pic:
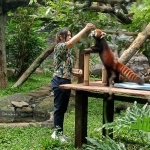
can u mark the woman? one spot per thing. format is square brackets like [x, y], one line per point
[62, 75]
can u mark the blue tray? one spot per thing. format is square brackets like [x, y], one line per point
[132, 85]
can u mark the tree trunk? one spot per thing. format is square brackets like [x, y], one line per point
[33, 66]
[135, 46]
[3, 70]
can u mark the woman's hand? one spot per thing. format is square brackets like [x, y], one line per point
[89, 26]
[78, 36]
[77, 72]
[80, 72]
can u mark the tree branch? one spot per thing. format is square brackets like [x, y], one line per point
[121, 32]
[112, 2]
[123, 18]
[13, 4]
[135, 46]
[33, 66]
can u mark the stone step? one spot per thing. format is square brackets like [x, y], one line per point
[35, 124]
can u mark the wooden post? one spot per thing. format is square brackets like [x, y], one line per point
[81, 66]
[86, 64]
[86, 69]
[81, 113]
[108, 113]
[104, 75]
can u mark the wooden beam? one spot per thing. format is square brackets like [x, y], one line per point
[81, 113]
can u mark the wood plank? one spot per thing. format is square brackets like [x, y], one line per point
[122, 98]
[99, 87]
[81, 112]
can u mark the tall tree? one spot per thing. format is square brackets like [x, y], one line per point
[3, 70]
[5, 6]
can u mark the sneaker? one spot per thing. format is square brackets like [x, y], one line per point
[54, 135]
[66, 137]
[61, 138]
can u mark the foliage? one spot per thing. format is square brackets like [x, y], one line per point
[32, 1]
[105, 143]
[130, 119]
[135, 120]
[72, 18]
[34, 81]
[141, 17]
[94, 59]
[67, 14]
[146, 47]
[24, 41]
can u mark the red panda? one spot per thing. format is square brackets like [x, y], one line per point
[112, 66]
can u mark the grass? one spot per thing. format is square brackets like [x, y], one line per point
[38, 138]
[34, 81]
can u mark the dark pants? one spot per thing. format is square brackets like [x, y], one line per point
[61, 100]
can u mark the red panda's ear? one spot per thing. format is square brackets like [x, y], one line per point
[103, 34]
[92, 34]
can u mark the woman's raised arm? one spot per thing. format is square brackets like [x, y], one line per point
[78, 36]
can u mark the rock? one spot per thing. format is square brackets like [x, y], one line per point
[25, 111]
[7, 111]
[19, 104]
[33, 107]
[37, 95]
[51, 119]
[25, 104]
[97, 70]
[138, 63]
[36, 124]
[18, 97]
[44, 107]
[7, 119]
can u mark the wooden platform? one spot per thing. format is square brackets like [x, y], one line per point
[108, 95]
[99, 87]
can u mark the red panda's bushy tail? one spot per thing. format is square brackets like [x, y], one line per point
[129, 74]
